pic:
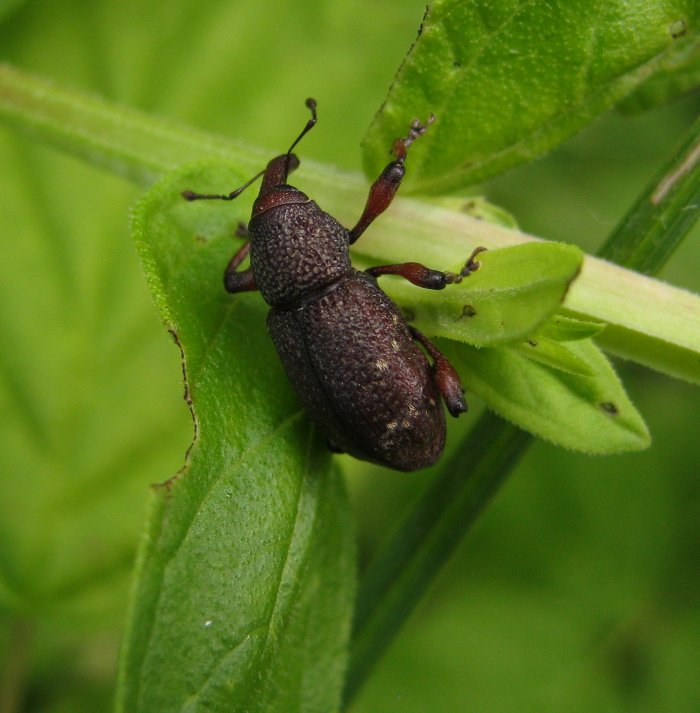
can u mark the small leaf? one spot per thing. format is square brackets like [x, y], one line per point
[245, 579]
[585, 413]
[514, 291]
[509, 80]
[480, 208]
[569, 329]
[554, 354]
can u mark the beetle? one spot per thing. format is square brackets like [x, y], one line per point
[352, 358]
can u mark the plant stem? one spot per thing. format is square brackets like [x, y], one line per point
[643, 326]
[661, 217]
[120, 139]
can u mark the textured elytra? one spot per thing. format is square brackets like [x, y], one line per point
[361, 376]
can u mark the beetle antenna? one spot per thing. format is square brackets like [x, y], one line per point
[311, 104]
[192, 196]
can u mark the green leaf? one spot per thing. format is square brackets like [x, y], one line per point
[245, 580]
[510, 80]
[548, 345]
[587, 413]
[514, 291]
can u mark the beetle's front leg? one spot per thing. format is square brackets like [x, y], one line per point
[423, 276]
[446, 377]
[384, 188]
[242, 281]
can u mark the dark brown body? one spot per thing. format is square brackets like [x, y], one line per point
[358, 372]
[353, 360]
[343, 343]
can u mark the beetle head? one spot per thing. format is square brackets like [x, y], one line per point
[281, 194]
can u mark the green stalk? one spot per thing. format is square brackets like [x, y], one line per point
[120, 139]
[661, 217]
[649, 321]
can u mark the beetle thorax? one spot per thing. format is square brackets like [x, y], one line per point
[296, 249]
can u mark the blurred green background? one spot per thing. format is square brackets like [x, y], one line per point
[579, 589]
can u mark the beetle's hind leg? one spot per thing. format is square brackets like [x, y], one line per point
[446, 377]
[414, 272]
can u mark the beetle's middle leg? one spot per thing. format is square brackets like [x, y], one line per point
[446, 377]
[242, 281]
[423, 276]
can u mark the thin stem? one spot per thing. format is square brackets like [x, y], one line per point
[655, 225]
[123, 140]
[14, 669]
[403, 569]
[400, 573]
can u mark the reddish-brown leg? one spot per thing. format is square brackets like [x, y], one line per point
[384, 188]
[423, 276]
[414, 272]
[242, 281]
[446, 377]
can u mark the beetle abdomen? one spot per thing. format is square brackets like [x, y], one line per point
[357, 370]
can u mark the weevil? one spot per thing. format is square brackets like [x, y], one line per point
[352, 358]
